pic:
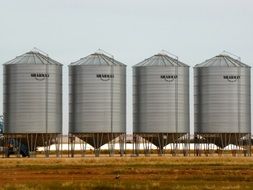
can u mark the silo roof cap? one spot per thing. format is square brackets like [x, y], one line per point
[33, 57]
[98, 58]
[222, 60]
[161, 59]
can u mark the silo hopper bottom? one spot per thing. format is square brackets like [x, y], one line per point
[161, 140]
[222, 140]
[97, 140]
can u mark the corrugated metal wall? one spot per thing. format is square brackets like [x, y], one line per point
[222, 99]
[32, 104]
[97, 102]
[160, 98]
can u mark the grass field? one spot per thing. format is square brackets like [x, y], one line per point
[127, 173]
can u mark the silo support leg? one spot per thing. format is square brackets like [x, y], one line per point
[97, 152]
[174, 143]
[136, 145]
[111, 144]
[145, 146]
[122, 144]
[57, 146]
[71, 146]
[186, 145]
[97, 141]
[197, 145]
[82, 146]
[160, 145]
[247, 146]
[31, 140]
[46, 144]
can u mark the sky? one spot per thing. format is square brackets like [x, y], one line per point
[130, 30]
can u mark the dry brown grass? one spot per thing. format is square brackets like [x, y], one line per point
[127, 173]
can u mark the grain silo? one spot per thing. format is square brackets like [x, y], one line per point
[97, 108]
[32, 101]
[161, 101]
[222, 102]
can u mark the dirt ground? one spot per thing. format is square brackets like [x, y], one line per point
[127, 173]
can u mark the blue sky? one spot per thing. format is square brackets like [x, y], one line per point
[131, 30]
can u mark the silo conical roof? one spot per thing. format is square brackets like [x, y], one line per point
[222, 61]
[161, 59]
[33, 57]
[98, 59]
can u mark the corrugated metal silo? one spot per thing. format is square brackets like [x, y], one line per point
[222, 100]
[33, 99]
[161, 100]
[97, 97]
